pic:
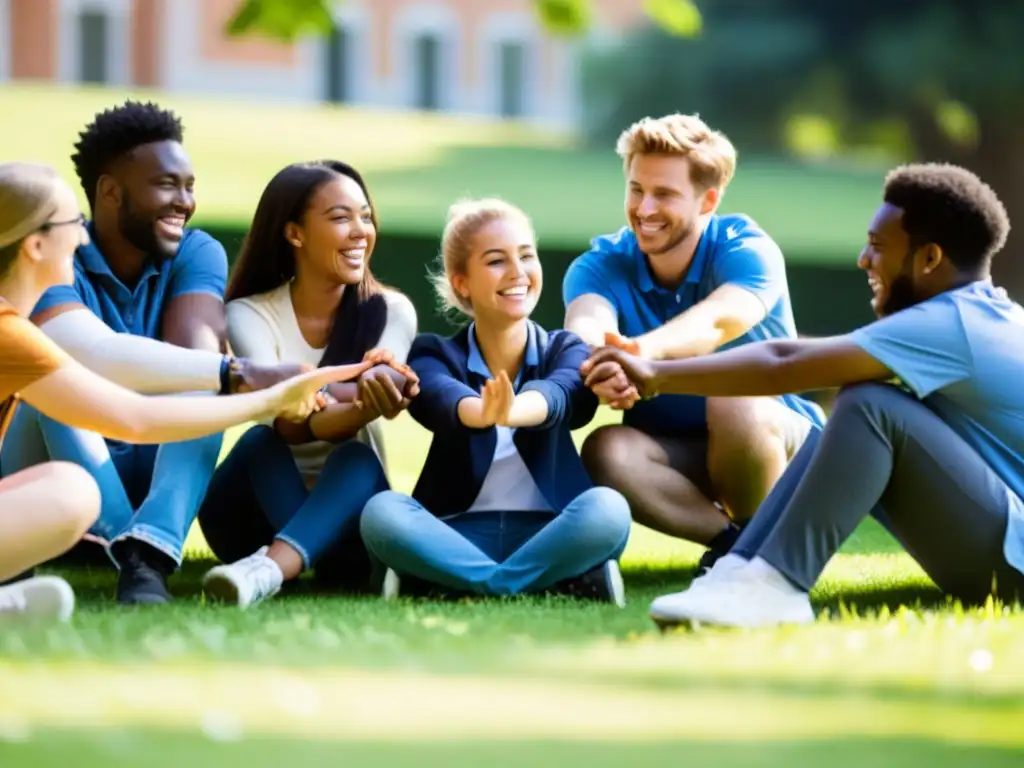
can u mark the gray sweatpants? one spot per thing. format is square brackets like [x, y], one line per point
[886, 454]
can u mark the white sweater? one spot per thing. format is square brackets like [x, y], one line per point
[264, 329]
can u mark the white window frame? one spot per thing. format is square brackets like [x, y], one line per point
[119, 54]
[431, 19]
[496, 30]
[354, 17]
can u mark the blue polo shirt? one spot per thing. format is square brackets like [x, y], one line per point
[200, 266]
[732, 249]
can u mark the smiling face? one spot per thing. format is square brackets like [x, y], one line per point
[889, 263]
[336, 236]
[50, 251]
[502, 279]
[663, 205]
[154, 191]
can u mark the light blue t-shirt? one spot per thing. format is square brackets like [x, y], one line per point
[732, 249]
[962, 354]
[199, 266]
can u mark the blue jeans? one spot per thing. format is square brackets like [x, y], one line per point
[148, 492]
[497, 553]
[257, 495]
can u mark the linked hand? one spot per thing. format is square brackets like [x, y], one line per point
[608, 364]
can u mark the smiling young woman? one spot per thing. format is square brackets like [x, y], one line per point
[302, 292]
[503, 504]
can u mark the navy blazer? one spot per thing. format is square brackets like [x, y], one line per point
[460, 457]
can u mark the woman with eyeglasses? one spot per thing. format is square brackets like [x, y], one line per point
[46, 509]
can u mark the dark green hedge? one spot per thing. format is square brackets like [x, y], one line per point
[826, 300]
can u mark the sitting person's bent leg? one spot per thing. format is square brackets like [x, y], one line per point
[411, 541]
[33, 439]
[298, 526]
[664, 479]
[750, 442]
[882, 451]
[44, 511]
[149, 549]
[591, 532]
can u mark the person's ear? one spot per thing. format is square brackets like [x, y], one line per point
[460, 286]
[931, 257]
[710, 201]
[109, 190]
[293, 234]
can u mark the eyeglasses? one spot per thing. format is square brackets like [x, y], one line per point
[80, 221]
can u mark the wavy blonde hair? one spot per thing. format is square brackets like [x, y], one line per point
[465, 220]
[712, 156]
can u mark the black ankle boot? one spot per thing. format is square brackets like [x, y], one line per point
[144, 573]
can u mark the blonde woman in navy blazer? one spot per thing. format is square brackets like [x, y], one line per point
[503, 504]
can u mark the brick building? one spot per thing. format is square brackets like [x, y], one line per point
[475, 56]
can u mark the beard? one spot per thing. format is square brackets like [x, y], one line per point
[901, 295]
[674, 238]
[141, 232]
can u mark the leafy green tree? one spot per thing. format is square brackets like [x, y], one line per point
[937, 80]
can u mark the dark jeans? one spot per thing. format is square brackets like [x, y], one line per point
[257, 495]
[887, 454]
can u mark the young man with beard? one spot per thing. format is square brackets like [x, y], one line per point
[682, 281]
[145, 310]
[939, 457]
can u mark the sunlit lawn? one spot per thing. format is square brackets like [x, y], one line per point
[416, 165]
[321, 680]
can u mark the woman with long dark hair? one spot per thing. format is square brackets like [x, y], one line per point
[288, 496]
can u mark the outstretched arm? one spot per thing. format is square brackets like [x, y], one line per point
[764, 368]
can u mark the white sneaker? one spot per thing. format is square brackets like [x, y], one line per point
[392, 585]
[743, 598]
[245, 582]
[37, 600]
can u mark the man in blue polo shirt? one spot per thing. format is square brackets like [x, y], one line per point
[681, 281]
[143, 277]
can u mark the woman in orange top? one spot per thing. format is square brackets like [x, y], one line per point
[48, 508]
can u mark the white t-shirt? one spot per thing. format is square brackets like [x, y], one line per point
[509, 486]
[264, 329]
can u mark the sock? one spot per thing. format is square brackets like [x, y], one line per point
[723, 542]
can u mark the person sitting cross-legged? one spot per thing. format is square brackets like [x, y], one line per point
[936, 455]
[288, 496]
[503, 505]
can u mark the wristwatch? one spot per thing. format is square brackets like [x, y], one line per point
[230, 374]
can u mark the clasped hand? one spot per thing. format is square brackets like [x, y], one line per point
[617, 374]
[387, 387]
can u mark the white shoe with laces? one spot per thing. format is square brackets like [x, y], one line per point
[37, 600]
[751, 596]
[244, 582]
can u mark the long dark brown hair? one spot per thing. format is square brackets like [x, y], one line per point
[267, 259]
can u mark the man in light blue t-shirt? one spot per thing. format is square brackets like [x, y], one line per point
[681, 281]
[937, 453]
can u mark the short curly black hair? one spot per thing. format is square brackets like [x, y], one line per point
[951, 207]
[117, 131]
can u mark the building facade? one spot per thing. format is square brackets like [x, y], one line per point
[472, 56]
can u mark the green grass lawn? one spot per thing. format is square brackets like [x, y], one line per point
[889, 675]
[416, 165]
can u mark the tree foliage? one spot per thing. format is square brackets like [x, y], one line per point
[288, 20]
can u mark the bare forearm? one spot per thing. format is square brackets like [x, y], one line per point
[338, 421]
[528, 410]
[471, 412]
[764, 368]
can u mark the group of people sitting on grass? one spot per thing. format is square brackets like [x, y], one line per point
[132, 350]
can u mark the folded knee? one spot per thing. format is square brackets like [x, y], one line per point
[611, 449]
[356, 457]
[604, 513]
[77, 497]
[383, 516]
[871, 394]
